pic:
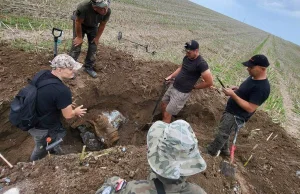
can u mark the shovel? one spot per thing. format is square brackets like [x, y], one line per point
[148, 125]
[51, 146]
[56, 34]
[221, 82]
[228, 168]
[6, 161]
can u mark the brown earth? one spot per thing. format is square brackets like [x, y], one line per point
[132, 86]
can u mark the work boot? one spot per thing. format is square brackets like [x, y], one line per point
[225, 152]
[208, 150]
[91, 72]
[225, 149]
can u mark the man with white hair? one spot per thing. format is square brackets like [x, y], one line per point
[173, 156]
[53, 99]
[91, 18]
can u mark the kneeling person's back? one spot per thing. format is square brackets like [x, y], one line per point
[53, 100]
[50, 100]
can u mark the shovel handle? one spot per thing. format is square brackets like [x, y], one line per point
[233, 148]
[58, 30]
[160, 97]
[7, 162]
[220, 82]
[51, 146]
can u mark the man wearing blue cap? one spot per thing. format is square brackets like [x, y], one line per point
[91, 19]
[242, 104]
[193, 67]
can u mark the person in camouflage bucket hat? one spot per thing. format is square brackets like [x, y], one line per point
[173, 150]
[173, 155]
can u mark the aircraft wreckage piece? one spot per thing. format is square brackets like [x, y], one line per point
[101, 132]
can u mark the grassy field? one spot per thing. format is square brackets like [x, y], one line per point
[165, 26]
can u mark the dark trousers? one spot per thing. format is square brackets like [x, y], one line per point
[90, 58]
[229, 123]
[39, 137]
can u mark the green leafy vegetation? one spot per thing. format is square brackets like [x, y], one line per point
[258, 49]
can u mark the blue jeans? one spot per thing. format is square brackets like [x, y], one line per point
[40, 136]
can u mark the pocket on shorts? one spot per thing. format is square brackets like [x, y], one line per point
[184, 96]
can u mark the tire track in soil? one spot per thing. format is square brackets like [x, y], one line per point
[292, 123]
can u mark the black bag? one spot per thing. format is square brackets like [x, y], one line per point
[159, 186]
[22, 109]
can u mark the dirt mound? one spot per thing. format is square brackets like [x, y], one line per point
[132, 87]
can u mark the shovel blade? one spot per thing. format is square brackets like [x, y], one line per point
[227, 169]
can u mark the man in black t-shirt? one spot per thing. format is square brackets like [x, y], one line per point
[242, 103]
[193, 67]
[91, 19]
[54, 100]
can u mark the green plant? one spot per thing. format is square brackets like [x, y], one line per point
[258, 49]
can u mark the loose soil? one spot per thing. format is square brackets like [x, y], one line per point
[132, 87]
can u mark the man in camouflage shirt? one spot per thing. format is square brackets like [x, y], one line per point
[173, 155]
[91, 19]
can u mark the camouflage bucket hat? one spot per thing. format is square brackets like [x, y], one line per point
[173, 150]
[100, 3]
[65, 61]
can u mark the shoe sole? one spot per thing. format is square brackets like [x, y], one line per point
[91, 75]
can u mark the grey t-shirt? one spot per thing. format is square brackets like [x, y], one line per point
[91, 18]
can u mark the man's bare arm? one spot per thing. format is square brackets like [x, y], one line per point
[101, 29]
[207, 80]
[78, 29]
[247, 106]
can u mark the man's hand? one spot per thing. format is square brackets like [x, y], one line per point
[234, 88]
[96, 40]
[168, 78]
[228, 92]
[79, 111]
[77, 41]
[74, 104]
